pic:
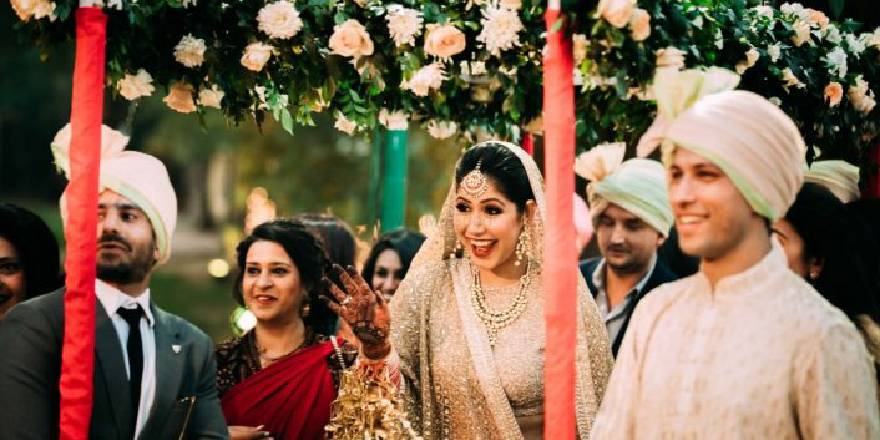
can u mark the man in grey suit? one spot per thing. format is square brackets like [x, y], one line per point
[154, 375]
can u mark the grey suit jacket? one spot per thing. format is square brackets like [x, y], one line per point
[31, 336]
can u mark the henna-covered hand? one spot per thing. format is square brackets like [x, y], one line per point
[363, 309]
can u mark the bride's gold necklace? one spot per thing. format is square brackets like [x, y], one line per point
[495, 322]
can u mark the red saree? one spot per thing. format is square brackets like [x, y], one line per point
[290, 398]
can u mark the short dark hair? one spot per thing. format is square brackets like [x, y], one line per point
[501, 165]
[310, 259]
[830, 233]
[36, 246]
[405, 242]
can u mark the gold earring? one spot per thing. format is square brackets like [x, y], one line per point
[523, 247]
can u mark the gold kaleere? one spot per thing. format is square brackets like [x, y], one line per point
[368, 407]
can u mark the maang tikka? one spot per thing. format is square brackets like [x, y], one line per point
[474, 183]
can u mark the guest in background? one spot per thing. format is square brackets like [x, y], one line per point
[839, 177]
[389, 259]
[821, 243]
[29, 257]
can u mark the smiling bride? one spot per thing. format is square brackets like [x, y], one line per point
[468, 320]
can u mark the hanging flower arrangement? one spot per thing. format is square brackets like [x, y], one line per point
[459, 66]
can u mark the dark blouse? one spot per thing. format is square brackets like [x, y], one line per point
[238, 358]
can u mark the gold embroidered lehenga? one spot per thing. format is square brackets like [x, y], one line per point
[456, 385]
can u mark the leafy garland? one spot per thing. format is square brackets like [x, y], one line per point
[459, 66]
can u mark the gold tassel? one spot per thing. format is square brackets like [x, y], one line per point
[368, 407]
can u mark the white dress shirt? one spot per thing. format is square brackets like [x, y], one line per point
[112, 299]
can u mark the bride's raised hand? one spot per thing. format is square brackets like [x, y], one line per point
[364, 310]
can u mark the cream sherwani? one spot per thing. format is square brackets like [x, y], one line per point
[762, 356]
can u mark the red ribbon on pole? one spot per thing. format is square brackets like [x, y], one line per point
[81, 195]
[560, 259]
[528, 143]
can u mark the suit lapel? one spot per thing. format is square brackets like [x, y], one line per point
[111, 364]
[170, 354]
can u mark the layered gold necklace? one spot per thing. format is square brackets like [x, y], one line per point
[497, 321]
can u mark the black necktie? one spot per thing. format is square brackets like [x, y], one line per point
[135, 354]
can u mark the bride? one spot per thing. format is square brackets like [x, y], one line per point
[468, 320]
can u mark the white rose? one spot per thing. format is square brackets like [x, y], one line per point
[404, 25]
[775, 101]
[190, 51]
[801, 33]
[344, 125]
[581, 45]
[211, 97]
[764, 11]
[616, 12]
[640, 24]
[873, 39]
[795, 10]
[671, 57]
[132, 87]
[774, 51]
[836, 61]
[427, 78]
[832, 34]
[256, 55]
[442, 129]
[350, 39]
[279, 20]
[180, 98]
[856, 44]
[861, 96]
[393, 120]
[501, 28]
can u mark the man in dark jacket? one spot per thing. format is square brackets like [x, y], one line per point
[631, 217]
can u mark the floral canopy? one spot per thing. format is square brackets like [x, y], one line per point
[458, 66]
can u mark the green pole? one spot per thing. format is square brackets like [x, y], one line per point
[394, 180]
[375, 177]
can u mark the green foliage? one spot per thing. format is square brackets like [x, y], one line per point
[618, 70]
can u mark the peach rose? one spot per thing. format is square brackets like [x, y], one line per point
[833, 93]
[818, 18]
[132, 87]
[350, 39]
[180, 98]
[616, 12]
[801, 33]
[444, 41]
[640, 24]
[256, 55]
[211, 97]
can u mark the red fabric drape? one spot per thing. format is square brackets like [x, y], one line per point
[528, 143]
[86, 111]
[291, 398]
[560, 264]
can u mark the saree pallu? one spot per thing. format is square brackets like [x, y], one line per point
[290, 398]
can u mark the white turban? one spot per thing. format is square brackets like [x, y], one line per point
[140, 177]
[756, 145]
[636, 185]
[840, 177]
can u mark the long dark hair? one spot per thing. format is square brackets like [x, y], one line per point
[501, 165]
[36, 247]
[310, 259]
[335, 236]
[405, 242]
[831, 235]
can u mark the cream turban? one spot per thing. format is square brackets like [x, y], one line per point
[636, 185]
[140, 177]
[750, 139]
[840, 177]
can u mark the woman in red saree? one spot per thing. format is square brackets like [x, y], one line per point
[280, 379]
